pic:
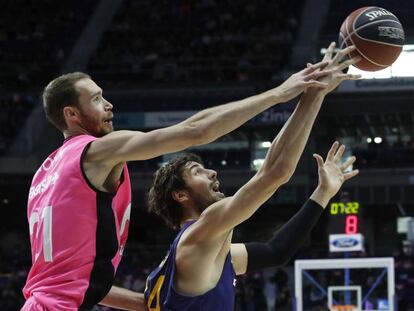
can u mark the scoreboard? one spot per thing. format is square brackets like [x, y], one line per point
[344, 218]
[345, 226]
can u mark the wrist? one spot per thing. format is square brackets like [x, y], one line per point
[321, 196]
[276, 96]
[317, 93]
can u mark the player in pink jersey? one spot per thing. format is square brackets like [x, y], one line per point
[79, 201]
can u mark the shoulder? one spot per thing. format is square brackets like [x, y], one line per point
[78, 141]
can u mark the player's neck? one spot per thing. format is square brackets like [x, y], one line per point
[186, 220]
[74, 132]
[189, 216]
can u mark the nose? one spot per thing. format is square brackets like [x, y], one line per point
[212, 174]
[108, 105]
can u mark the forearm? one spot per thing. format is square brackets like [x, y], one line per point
[289, 144]
[286, 241]
[219, 120]
[124, 299]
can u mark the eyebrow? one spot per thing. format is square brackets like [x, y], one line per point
[96, 93]
[193, 166]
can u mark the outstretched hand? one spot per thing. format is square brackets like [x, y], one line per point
[325, 75]
[306, 78]
[332, 172]
[335, 67]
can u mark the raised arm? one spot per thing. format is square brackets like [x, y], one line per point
[278, 167]
[286, 241]
[203, 127]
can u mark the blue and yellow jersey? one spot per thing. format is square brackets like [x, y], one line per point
[161, 296]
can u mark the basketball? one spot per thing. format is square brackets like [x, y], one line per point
[377, 35]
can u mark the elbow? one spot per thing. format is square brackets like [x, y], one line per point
[285, 168]
[286, 171]
[280, 172]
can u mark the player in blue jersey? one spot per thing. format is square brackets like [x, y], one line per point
[200, 268]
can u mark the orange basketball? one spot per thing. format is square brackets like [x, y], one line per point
[377, 34]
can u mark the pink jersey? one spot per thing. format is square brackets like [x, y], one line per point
[77, 233]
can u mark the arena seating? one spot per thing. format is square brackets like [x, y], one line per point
[14, 110]
[33, 50]
[32, 53]
[185, 41]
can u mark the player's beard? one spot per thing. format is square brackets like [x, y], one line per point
[93, 126]
[202, 202]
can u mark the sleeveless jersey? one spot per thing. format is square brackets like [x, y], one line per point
[77, 232]
[160, 294]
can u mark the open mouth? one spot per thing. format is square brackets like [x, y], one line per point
[108, 121]
[216, 187]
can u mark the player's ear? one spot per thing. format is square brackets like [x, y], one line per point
[70, 113]
[179, 195]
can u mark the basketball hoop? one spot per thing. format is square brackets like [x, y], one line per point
[344, 308]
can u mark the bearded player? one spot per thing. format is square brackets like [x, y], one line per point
[199, 269]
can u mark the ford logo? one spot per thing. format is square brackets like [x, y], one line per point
[345, 242]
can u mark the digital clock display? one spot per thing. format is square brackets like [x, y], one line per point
[344, 218]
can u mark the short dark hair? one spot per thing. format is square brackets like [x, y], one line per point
[60, 93]
[167, 179]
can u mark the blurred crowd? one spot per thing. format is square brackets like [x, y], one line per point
[15, 261]
[384, 155]
[191, 41]
[14, 110]
[35, 39]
